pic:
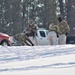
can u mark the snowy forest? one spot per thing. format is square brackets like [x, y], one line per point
[15, 14]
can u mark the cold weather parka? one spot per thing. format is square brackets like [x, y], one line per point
[63, 27]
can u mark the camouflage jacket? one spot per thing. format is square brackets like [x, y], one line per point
[32, 28]
[21, 37]
[54, 28]
[63, 27]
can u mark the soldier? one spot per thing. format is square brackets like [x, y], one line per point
[32, 29]
[64, 29]
[52, 35]
[23, 39]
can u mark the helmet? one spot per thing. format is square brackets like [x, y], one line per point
[31, 21]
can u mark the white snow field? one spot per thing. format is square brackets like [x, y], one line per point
[37, 60]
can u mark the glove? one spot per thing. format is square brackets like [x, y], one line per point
[66, 33]
[57, 36]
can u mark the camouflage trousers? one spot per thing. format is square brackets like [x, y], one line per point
[62, 39]
[52, 37]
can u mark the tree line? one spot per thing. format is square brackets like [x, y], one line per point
[15, 14]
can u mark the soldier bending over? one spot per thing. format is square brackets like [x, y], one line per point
[23, 39]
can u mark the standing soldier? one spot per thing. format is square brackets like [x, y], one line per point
[32, 29]
[64, 29]
[52, 35]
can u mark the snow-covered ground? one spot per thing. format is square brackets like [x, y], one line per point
[37, 60]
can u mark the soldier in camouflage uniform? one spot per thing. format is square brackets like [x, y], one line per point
[32, 28]
[52, 35]
[23, 39]
[63, 30]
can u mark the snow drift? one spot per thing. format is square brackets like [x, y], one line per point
[37, 60]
